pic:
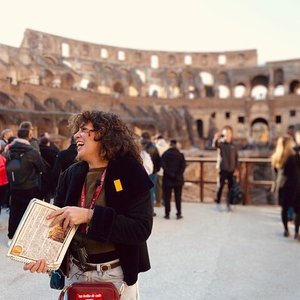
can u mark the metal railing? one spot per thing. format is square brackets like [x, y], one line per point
[246, 178]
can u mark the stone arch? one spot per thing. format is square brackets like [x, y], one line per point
[53, 104]
[126, 76]
[7, 101]
[67, 81]
[188, 88]
[259, 87]
[108, 73]
[118, 87]
[106, 83]
[50, 60]
[239, 91]
[294, 87]
[155, 91]
[260, 131]
[92, 86]
[32, 103]
[208, 83]
[260, 80]
[279, 89]
[223, 91]
[173, 79]
[133, 91]
[71, 106]
[135, 87]
[173, 84]
[223, 85]
[278, 77]
[46, 77]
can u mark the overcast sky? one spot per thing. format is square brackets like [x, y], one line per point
[270, 26]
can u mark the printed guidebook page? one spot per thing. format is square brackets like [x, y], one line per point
[35, 240]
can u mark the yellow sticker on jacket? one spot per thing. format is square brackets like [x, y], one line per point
[118, 185]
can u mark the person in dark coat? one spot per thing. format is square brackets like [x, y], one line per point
[24, 178]
[173, 164]
[48, 154]
[227, 162]
[107, 193]
[64, 159]
[287, 182]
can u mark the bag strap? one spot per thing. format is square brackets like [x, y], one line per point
[62, 293]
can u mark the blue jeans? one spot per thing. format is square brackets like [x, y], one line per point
[153, 178]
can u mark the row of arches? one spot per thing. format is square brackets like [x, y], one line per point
[187, 83]
[31, 103]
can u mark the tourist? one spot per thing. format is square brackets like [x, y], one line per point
[24, 165]
[63, 160]
[48, 154]
[5, 135]
[116, 220]
[173, 164]
[227, 162]
[287, 183]
[162, 146]
[33, 141]
[152, 150]
[147, 161]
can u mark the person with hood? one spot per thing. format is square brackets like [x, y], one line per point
[24, 168]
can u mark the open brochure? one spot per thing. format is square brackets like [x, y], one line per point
[35, 240]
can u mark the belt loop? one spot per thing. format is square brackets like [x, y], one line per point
[99, 269]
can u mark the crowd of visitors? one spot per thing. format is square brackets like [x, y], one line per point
[102, 154]
[34, 167]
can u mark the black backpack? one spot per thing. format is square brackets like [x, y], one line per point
[236, 194]
[13, 168]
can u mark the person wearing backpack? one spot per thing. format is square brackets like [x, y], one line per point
[24, 168]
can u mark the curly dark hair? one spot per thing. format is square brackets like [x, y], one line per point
[116, 138]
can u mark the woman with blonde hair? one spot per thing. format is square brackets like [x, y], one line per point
[287, 182]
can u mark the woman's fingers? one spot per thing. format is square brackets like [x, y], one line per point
[39, 266]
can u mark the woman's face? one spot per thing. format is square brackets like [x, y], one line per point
[88, 149]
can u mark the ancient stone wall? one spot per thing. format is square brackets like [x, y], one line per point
[183, 95]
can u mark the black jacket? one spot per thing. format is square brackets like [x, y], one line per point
[288, 184]
[31, 166]
[227, 156]
[152, 150]
[63, 160]
[127, 218]
[173, 164]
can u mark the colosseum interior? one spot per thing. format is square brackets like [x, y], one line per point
[182, 95]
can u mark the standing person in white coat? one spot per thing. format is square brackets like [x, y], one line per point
[162, 146]
[147, 161]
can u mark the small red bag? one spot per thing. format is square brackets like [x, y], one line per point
[90, 291]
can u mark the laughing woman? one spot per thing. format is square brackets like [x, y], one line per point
[107, 193]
